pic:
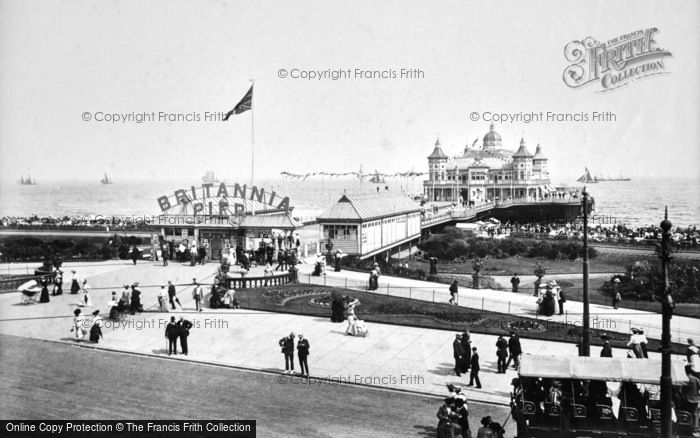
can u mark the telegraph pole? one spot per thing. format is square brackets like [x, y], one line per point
[586, 334]
[666, 314]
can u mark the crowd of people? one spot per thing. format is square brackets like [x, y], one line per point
[685, 237]
[453, 418]
[86, 222]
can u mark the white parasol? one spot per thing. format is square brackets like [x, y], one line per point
[30, 286]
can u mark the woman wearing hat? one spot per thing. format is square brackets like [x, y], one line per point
[75, 285]
[96, 328]
[86, 301]
[78, 325]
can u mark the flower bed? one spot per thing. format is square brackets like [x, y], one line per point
[327, 300]
[281, 296]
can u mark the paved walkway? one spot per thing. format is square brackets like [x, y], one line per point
[602, 317]
[406, 358]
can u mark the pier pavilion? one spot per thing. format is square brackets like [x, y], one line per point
[488, 173]
[368, 224]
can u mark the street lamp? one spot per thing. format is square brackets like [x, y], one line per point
[586, 334]
[666, 314]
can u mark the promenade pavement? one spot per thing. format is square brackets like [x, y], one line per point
[404, 358]
[602, 317]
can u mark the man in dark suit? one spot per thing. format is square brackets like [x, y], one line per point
[474, 373]
[467, 347]
[501, 354]
[172, 293]
[287, 344]
[514, 349]
[458, 352]
[303, 353]
[183, 329]
[171, 334]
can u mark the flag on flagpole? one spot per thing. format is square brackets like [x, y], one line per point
[244, 105]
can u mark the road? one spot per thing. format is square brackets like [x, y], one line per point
[49, 380]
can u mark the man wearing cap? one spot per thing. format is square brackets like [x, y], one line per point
[287, 344]
[183, 329]
[458, 352]
[303, 353]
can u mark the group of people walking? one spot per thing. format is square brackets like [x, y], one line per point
[467, 357]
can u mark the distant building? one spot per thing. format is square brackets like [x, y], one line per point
[487, 173]
[367, 224]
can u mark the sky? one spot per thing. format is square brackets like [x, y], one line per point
[63, 61]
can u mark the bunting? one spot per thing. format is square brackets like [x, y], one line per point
[359, 175]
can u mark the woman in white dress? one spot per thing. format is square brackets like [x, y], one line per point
[85, 301]
[78, 328]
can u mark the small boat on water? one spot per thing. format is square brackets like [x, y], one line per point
[28, 181]
[209, 177]
[586, 178]
[106, 179]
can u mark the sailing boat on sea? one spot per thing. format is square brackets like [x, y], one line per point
[28, 181]
[106, 179]
[587, 178]
[377, 178]
[209, 177]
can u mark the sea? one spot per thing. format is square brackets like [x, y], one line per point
[639, 202]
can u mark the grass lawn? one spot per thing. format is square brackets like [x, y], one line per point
[299, 299]
[572, 285]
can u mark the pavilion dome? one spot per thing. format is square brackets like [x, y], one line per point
[492, 138]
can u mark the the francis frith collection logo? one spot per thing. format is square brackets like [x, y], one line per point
[614, 63]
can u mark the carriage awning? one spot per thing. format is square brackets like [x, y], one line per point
[600, 368]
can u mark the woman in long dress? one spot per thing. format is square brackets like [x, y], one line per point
[75, 285]
[96, 328]
[86, 301]
[78, 325]
[44, 298]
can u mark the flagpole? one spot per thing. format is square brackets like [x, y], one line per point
[252, 140]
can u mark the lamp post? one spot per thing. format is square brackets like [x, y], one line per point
[586, 334]
[666, 314]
